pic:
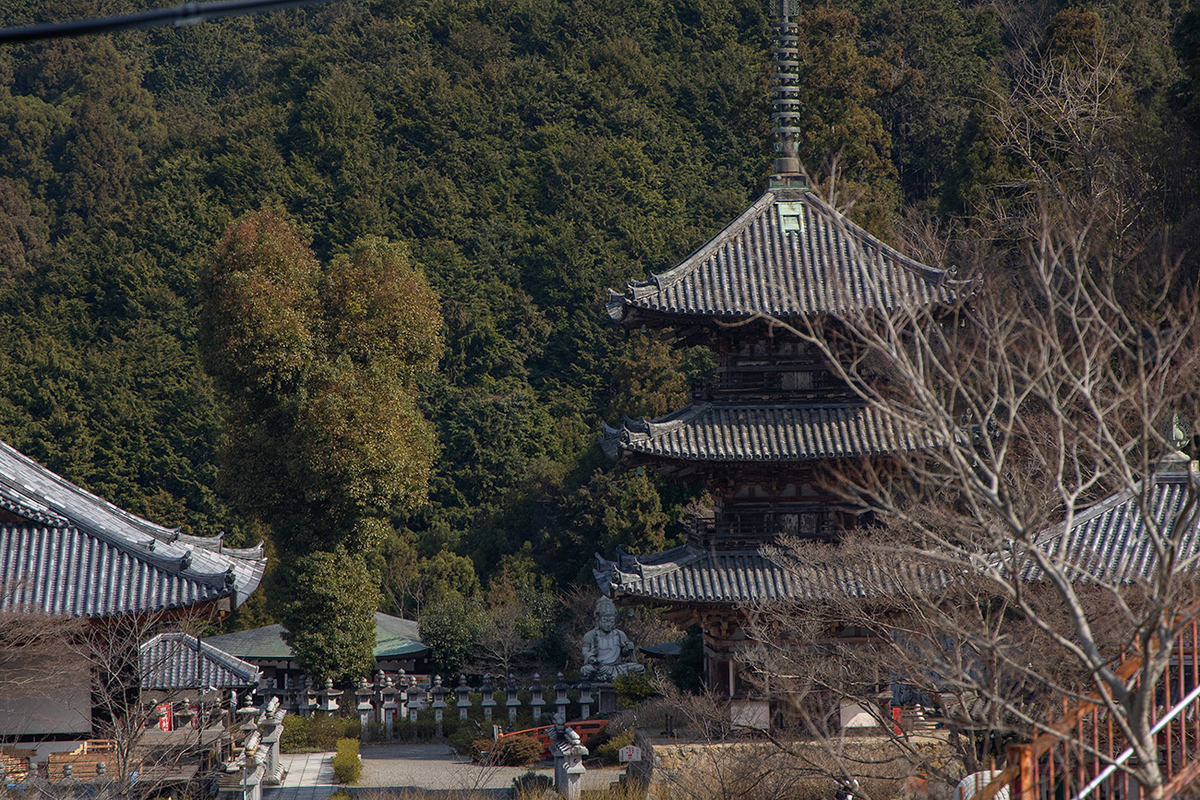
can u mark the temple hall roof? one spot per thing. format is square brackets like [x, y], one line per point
[1113, 541]
[64, 550]
[776, 432]
[394, 637]
[789, 255]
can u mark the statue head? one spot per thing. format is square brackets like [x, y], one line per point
[606, 615]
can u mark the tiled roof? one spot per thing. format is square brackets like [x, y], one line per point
[180, 661]
[1109, 542]
[394, 636]
[82, 556]
[693, 575]
[789, 255]
[783, 432]
[1113, 540]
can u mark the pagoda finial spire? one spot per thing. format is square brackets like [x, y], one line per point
[785, 86]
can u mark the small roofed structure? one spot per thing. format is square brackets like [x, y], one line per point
[397, 647]
[178, 662]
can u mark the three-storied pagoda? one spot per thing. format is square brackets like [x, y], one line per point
[764, 434]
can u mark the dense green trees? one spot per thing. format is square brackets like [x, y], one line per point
[324, 439]
[531, 155]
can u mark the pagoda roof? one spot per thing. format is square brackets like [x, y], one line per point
[1110, 543]
[789, 255]
[181, 661]
[63, 550]
[774, 432]
[690, 574]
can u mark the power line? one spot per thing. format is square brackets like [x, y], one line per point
[179, 16]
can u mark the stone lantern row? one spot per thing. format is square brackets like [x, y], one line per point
[389, 698]
[254, 760]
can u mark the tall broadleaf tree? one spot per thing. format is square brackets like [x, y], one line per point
[318, 366]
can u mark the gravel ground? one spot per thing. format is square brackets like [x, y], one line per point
[428, 767]
[434, 766]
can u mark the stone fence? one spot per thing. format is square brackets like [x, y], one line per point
[390, 698]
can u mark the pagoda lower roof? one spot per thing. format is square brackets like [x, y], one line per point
[789, 255]
[775, 432]
[1111, 544]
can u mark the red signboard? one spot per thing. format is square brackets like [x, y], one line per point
[164, 716]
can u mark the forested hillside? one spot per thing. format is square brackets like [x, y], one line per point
[532, 154]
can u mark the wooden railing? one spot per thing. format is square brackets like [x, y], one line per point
[1083, 755]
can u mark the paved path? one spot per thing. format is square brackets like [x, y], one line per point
[309, 777]
[432, 767]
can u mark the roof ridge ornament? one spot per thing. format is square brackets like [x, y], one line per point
[785, 88]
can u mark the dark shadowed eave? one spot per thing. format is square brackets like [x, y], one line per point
[789, 255]
[690, 574]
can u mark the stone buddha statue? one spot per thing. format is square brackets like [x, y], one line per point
[607, 652]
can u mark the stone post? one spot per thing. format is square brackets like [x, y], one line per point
[463, 693]
[377, 697]
[362, 693]
[608, 697]
[388, 706]
[585, 700]
[489, 702]
[329, 697]
[561, 701]
[403, 682]
[272, 721]
[512, 701]
[308, 698]
[438, 704]
[568, 766]
[416, 701]
[536, 701]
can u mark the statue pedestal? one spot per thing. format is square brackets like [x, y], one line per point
[607, 694]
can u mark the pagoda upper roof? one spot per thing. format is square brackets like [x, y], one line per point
[63, 550]
[775, 432]
[789, 255]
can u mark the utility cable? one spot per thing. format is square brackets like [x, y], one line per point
[179, 16]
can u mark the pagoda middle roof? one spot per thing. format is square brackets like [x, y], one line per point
[775, 432]
[789, 255]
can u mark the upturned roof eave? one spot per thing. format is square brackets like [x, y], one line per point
[640, 302]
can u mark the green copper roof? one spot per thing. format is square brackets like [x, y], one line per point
[393, 637]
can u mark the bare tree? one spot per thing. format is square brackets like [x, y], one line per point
[1031, 400]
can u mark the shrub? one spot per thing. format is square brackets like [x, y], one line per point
[608, 749]
[531, 785]
[511, 751]
[633, 689]
[294, 738]
[347, 768]
[319, 733]
[462, 739]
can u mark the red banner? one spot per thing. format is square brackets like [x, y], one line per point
[164, 716]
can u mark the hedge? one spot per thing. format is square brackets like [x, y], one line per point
[347, 768]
